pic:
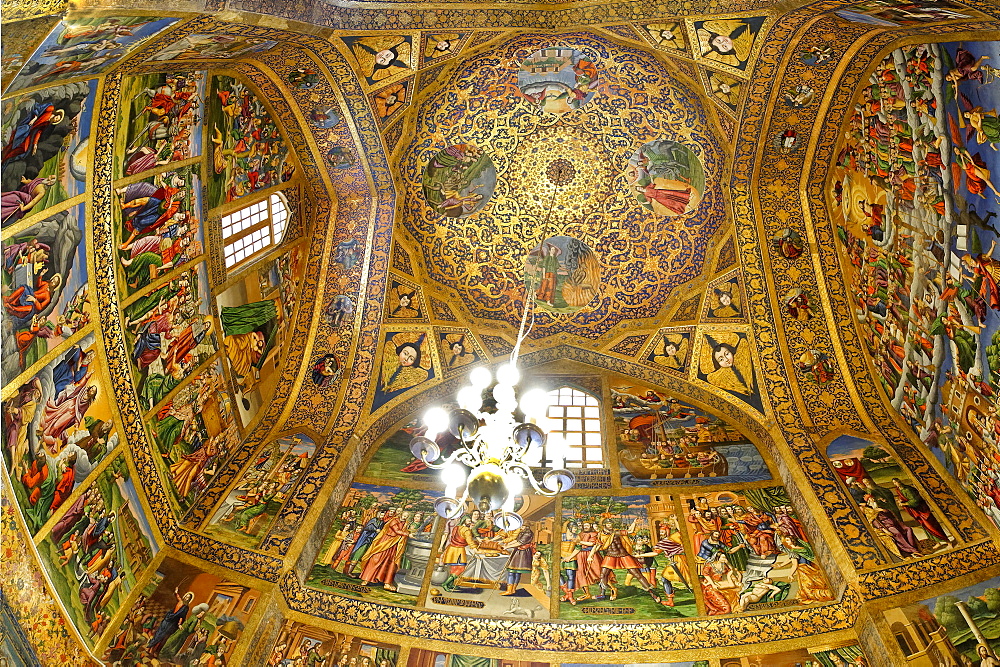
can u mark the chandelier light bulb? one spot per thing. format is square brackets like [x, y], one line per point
[470, 398]
[480, 378]
[504, 395]
[535, 403]
[508, 375]
[453, 476]
[436, 420]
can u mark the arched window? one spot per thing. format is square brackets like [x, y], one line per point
[253, 229]
[576, 416]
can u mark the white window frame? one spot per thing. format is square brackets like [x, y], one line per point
[252, 230]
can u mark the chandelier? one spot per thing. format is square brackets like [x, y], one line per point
[491, 465]
[493, 462]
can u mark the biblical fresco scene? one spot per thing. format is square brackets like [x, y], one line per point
[696, 663]
[255, 314]
[558, 80]
[197, 46]
[97, 549]
[822, 656]
[183, 616]
[46, 298]
[301, 644]
[894, 506]
[481, 569]
[407, 361]
[169, 333]
[665, 442]
[248, 152]
[45, 148]
[459, 180]
[915, 209]
[162, 121]
[563, 274]
[379, 546]
[906, 12]
[751, 551]
[159, 226]
[57, 427]
[85, 46]
[961, 627]
[393, 460]
[666, 177]
[195, 432]
[622, 558]
[426, 658]
[251, 506]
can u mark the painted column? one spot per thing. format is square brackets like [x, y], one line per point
[972, 624]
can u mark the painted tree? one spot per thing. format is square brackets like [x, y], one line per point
[948, 614]
[992, 597]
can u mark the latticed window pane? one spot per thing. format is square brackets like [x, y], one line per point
[575, 416]
[253, 229]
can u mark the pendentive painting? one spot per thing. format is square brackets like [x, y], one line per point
[46, 148]
[161, 120]
[622, 559]
[481, 569]
[558, 79]
[250, 507]
[665, 442]
[393, 460]
[666, 177]
[46, 298]
[919, 238]
[202, 46]
[183, 616]
[563, 274]
[751, 551]
[726, 362]
[379, 545]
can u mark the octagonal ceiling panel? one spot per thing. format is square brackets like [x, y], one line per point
[594, 146]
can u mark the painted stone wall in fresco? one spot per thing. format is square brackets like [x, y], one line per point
[183, 616]
[379, 545]
[46, 298]
[894, 506]
[170, 333]
[664, 442]
[249, 509]
[194, 433]
[84, 46]
[916, 214]
[97, 549]
[255, 315]
[45, 148]
[480, 569]
[160, 120]
[298, 643]
[961, 627]
[247, 151]
[751, 551]
[57, 427]
[622, 558]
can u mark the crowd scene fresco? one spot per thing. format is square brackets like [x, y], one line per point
[663, 441]
[306, 645]
[751, 551]
[915, 209]
[248, 152]
[250, 507]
